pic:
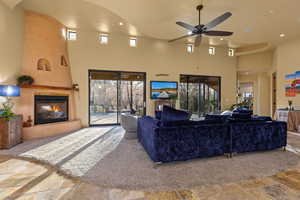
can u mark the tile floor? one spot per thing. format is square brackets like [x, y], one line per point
[22, 179]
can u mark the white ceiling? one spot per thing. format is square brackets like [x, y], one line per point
[253, 21]
[82, 15]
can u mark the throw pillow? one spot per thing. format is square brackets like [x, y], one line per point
[171, 114]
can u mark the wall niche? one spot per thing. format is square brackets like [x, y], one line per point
[63, 61]
[43, 65]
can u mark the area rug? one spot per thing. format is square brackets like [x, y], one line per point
[129, 167]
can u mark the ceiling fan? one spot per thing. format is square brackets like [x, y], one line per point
[201, 29]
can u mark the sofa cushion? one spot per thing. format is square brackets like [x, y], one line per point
[189, 123]
[243, 110]
[221, 118]
[242, 116]
[261, 118]
[227, 112]
[175, 123]
[171, 114]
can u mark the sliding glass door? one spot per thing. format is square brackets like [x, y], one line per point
[200, 94]
[132, 93]
[113, 93]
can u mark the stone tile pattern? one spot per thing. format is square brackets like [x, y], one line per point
[21, 179]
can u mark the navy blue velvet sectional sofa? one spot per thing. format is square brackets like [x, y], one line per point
[173, 137]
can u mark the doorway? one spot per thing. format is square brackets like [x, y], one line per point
[112, 93]
[246, 95]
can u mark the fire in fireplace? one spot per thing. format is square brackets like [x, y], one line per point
[51, 109]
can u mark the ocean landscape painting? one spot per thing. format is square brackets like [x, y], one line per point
[163, 90]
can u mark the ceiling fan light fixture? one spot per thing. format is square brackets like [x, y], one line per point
[201, 29]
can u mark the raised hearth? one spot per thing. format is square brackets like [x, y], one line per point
[50, 109]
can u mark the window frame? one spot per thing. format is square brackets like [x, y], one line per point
[131, 40]
[69, 33]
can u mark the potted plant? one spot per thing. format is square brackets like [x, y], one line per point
[6, 112]
[25, 80]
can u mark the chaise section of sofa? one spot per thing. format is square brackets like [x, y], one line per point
[258, 136]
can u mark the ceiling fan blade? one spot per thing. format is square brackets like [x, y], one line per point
[218, 33]
[185, 36]
[198, 40]
[217, 21]
[186, 26]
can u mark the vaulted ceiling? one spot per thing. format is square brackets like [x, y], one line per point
[253, 21]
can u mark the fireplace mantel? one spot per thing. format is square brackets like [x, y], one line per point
[46, 87]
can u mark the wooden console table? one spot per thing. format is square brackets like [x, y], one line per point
[10, 132]
[291, 117]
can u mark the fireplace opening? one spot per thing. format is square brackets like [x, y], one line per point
[51, 109]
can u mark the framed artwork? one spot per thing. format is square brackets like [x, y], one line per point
[292, 86]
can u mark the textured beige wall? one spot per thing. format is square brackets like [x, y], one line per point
[151, 56]
[44, 39]
[287, 61]
[258, 62]
[11, 43]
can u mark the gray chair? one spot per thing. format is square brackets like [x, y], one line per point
[129, 123]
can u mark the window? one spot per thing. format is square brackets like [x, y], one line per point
[190, 48]
[132, 42]
[103, 39]
[200, 94]
[113, 93]
[72, 35]
[212, 50]
[231, 52]
[247, 94]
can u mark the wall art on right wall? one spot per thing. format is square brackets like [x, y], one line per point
[292, 87]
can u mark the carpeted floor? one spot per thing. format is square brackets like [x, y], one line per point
[128, 167]
[103, 157]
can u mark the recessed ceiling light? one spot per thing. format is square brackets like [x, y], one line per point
[282, 35]
[121, 23]
[222, 39]
[190, 32]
